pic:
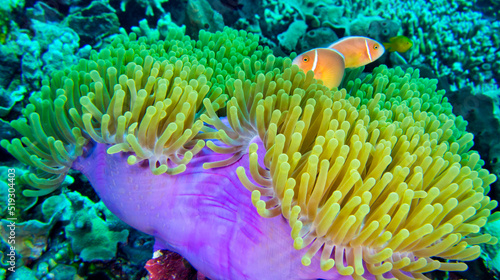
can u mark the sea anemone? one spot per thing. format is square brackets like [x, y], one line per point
[382, 177]
[180, 137]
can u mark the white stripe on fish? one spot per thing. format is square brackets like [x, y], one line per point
[315, 60]
[368, 51]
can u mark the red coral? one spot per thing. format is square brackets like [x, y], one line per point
[169, 266]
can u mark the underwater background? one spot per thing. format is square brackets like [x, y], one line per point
[63, 230]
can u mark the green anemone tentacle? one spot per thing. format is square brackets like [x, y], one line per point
[141, 97]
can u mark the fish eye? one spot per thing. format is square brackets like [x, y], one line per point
[305, 59]
[375, 47]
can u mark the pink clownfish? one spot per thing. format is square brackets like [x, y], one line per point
[358, 51]
[327, 64]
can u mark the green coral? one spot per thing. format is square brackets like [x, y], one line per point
[147, 4]
[22, 204]
[5, 25]
[92, 236]
[201, 15]
[288, 39]
[7, 8]
[164, 26]
[31, 237]
[490, 251]
[92, 229]
[9, 98]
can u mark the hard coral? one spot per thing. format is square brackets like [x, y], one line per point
[459, 44]
[31, 236]
[92, 229]
[94, 22]
[148, 4]
[5, 26]
[202, 16]
[289, 39]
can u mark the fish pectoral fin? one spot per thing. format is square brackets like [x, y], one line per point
[332, 77]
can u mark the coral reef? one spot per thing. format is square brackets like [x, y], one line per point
[5, 26]
[27, 60]
[87, 90]
[94, 22]
[59, 46]
[482, 111]
[321, 159]
[319, 37]
[9, 99]
[201, 15]
[23, 203]
[490, 252]
[92, 235]
[31, 236]
[8, 67]
[460, 44]
[149, 5]
[289, 39]
[165, 26]
[93, 231]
